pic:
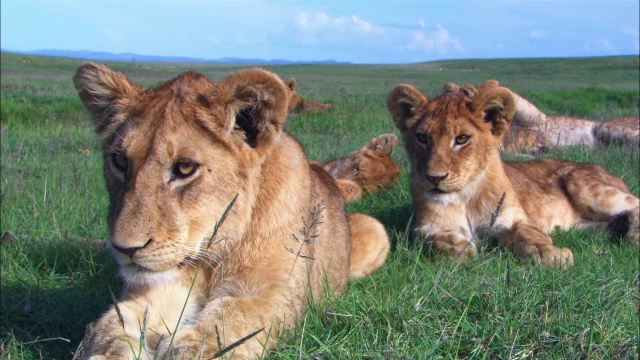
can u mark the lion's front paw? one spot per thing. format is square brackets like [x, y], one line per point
[549, 255]
[460, 252]
[189, 343]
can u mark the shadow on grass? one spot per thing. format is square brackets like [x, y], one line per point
[51, 294]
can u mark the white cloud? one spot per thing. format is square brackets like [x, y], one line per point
[320, 27]
[439, 40]
[598, 45]
[319, 21]
[350, 33]
[538, 34]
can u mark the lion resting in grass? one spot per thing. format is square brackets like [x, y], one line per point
[221, 229]
[298, 104]
[368, 169]
[533, 131]
[462, 189]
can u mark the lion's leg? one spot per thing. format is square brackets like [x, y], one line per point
[234, 327]
[150, 315]
[604, 199]
[369, 245]
[455, 245]
[527, 241]
[109, 338]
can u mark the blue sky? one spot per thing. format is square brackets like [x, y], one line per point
[368, 31]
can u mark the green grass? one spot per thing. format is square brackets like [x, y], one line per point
[55, 280]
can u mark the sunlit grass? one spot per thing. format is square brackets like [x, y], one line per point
[56, 278]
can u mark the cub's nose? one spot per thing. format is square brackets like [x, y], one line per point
[436, 179]
[129, 251]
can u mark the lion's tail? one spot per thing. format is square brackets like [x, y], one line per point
[369, 245]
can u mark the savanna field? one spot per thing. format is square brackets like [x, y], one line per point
[57, 276]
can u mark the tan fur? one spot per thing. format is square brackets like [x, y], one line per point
[175, 157]
[532, 130]
[458, 180]
[298, 104]
[370, 167]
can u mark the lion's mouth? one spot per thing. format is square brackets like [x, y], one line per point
[141, 268]
[437, 191]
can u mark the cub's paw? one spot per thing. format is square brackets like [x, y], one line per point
[550, 255]
[462, 251]
[189, 343]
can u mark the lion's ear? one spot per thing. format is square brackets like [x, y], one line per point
[402, 102]
[488, 84]
[383, 145]
[291, 83]
[450, 88]
[103, 92]
[469, 89]
[255, 102]
[498, 107]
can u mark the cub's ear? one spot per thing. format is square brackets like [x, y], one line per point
[450, 88]
[403, 102]
[488, 84]
[291, 83]
[255, 103]
[469, 89]
[498, 107]
[104, 93]
[383, 145]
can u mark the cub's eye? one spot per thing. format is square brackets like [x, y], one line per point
[356, 169]
[462, 139]
[120, 162]
[183, 169]
[423, 139]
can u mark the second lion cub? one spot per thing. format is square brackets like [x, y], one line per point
[458, 180]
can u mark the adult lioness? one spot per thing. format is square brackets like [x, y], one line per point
[221, 228]
[458, 180]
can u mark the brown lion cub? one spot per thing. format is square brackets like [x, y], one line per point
[369, 168]
[299, 104]
[458, 180]
[221, 228]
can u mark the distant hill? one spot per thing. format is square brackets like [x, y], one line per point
[107, 56]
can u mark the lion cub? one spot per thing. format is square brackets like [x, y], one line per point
[221, 228]
[459, 182]
[369, 168]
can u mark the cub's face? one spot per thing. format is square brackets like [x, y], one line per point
[295, 100]
[175, 157]
[450, 139]
[371, 167]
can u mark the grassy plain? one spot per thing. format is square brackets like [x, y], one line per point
[55, 279]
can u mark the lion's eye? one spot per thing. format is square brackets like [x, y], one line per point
[183, 169]
[423, 139]
[462, 139]
[120, 162]
[356, 169]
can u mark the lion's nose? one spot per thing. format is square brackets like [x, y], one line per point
[129, 251]
[436, 179]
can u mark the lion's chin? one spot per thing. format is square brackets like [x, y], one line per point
[133, 274]
[442, 196]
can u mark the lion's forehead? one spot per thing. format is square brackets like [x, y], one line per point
[448, 116]
[176, 110]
